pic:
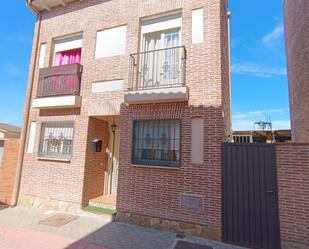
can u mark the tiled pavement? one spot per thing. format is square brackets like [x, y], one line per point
[20, 229]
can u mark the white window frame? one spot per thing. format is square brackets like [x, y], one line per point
[67, 43]
[67, 124]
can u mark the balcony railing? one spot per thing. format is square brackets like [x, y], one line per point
[59, 81]
[161, 68]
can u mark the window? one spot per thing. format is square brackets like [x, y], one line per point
[67, 50]
[161, 54]
[56, 140]
[1, 152]
[156, 142]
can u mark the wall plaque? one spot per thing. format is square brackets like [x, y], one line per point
[191, 203]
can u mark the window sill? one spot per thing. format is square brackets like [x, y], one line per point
[156, 167]
[53, 159]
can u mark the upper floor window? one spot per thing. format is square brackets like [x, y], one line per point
[156, 142]
[56, 140]
[67, 50]
[161, 57]
[161, 32]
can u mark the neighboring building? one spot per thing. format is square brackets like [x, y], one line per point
[128, 104]
[296, 14]
[9, 145]
[261, 136]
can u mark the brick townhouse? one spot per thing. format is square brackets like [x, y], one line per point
[128, 102]
[9, 141]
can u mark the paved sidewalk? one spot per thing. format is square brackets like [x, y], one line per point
[20, 229]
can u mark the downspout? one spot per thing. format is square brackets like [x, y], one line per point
[28, 99]
[229, 14]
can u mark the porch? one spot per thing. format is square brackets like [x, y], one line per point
[102, 162]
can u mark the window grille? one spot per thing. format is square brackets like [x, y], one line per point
[56, 140]
[243, 139]
[156, 142]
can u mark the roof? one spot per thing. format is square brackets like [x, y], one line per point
[7, 128]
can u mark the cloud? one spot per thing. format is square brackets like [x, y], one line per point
[22, 38]
[249, 125]
[275, 35]
[259, 113]
[257, 70]
[245, 120]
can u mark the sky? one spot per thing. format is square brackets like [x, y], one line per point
[258, 64]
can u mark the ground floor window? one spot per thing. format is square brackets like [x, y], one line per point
[1, 152]
[56, 140]
[156, 142]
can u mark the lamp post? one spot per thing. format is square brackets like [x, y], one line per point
[113, 128]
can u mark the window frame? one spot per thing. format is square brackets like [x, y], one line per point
[156, 163]
[42, 130]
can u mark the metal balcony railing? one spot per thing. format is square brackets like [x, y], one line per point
[158, 69]
[59, 81]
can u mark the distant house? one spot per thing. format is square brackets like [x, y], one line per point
[260, 136]
[9, 143]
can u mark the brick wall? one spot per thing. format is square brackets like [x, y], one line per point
[297, 46]
[8, 169]
[156, 192]
[293, 184]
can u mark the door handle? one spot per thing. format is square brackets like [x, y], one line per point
[270, 192]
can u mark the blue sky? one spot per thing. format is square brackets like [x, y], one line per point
[259, 81]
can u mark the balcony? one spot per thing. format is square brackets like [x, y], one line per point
[157, 76]
[47, 5]
[59, 87]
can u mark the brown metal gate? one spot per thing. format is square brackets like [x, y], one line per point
[250, 215]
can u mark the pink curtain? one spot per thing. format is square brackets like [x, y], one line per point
[68, 57]
[67, 83]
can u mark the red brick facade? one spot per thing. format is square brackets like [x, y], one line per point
[8, 169]
[297, 46]
[293, 185]
[156, 192]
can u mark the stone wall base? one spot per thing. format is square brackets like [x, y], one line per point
[288, 245]
[47, 204]
[211, 233]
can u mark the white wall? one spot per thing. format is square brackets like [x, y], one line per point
[42, 55]
[197, 26]
[31, 140]
[107, 86]
[111, 42]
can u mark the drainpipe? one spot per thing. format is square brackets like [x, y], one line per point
[229, 14]
[26, 110]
